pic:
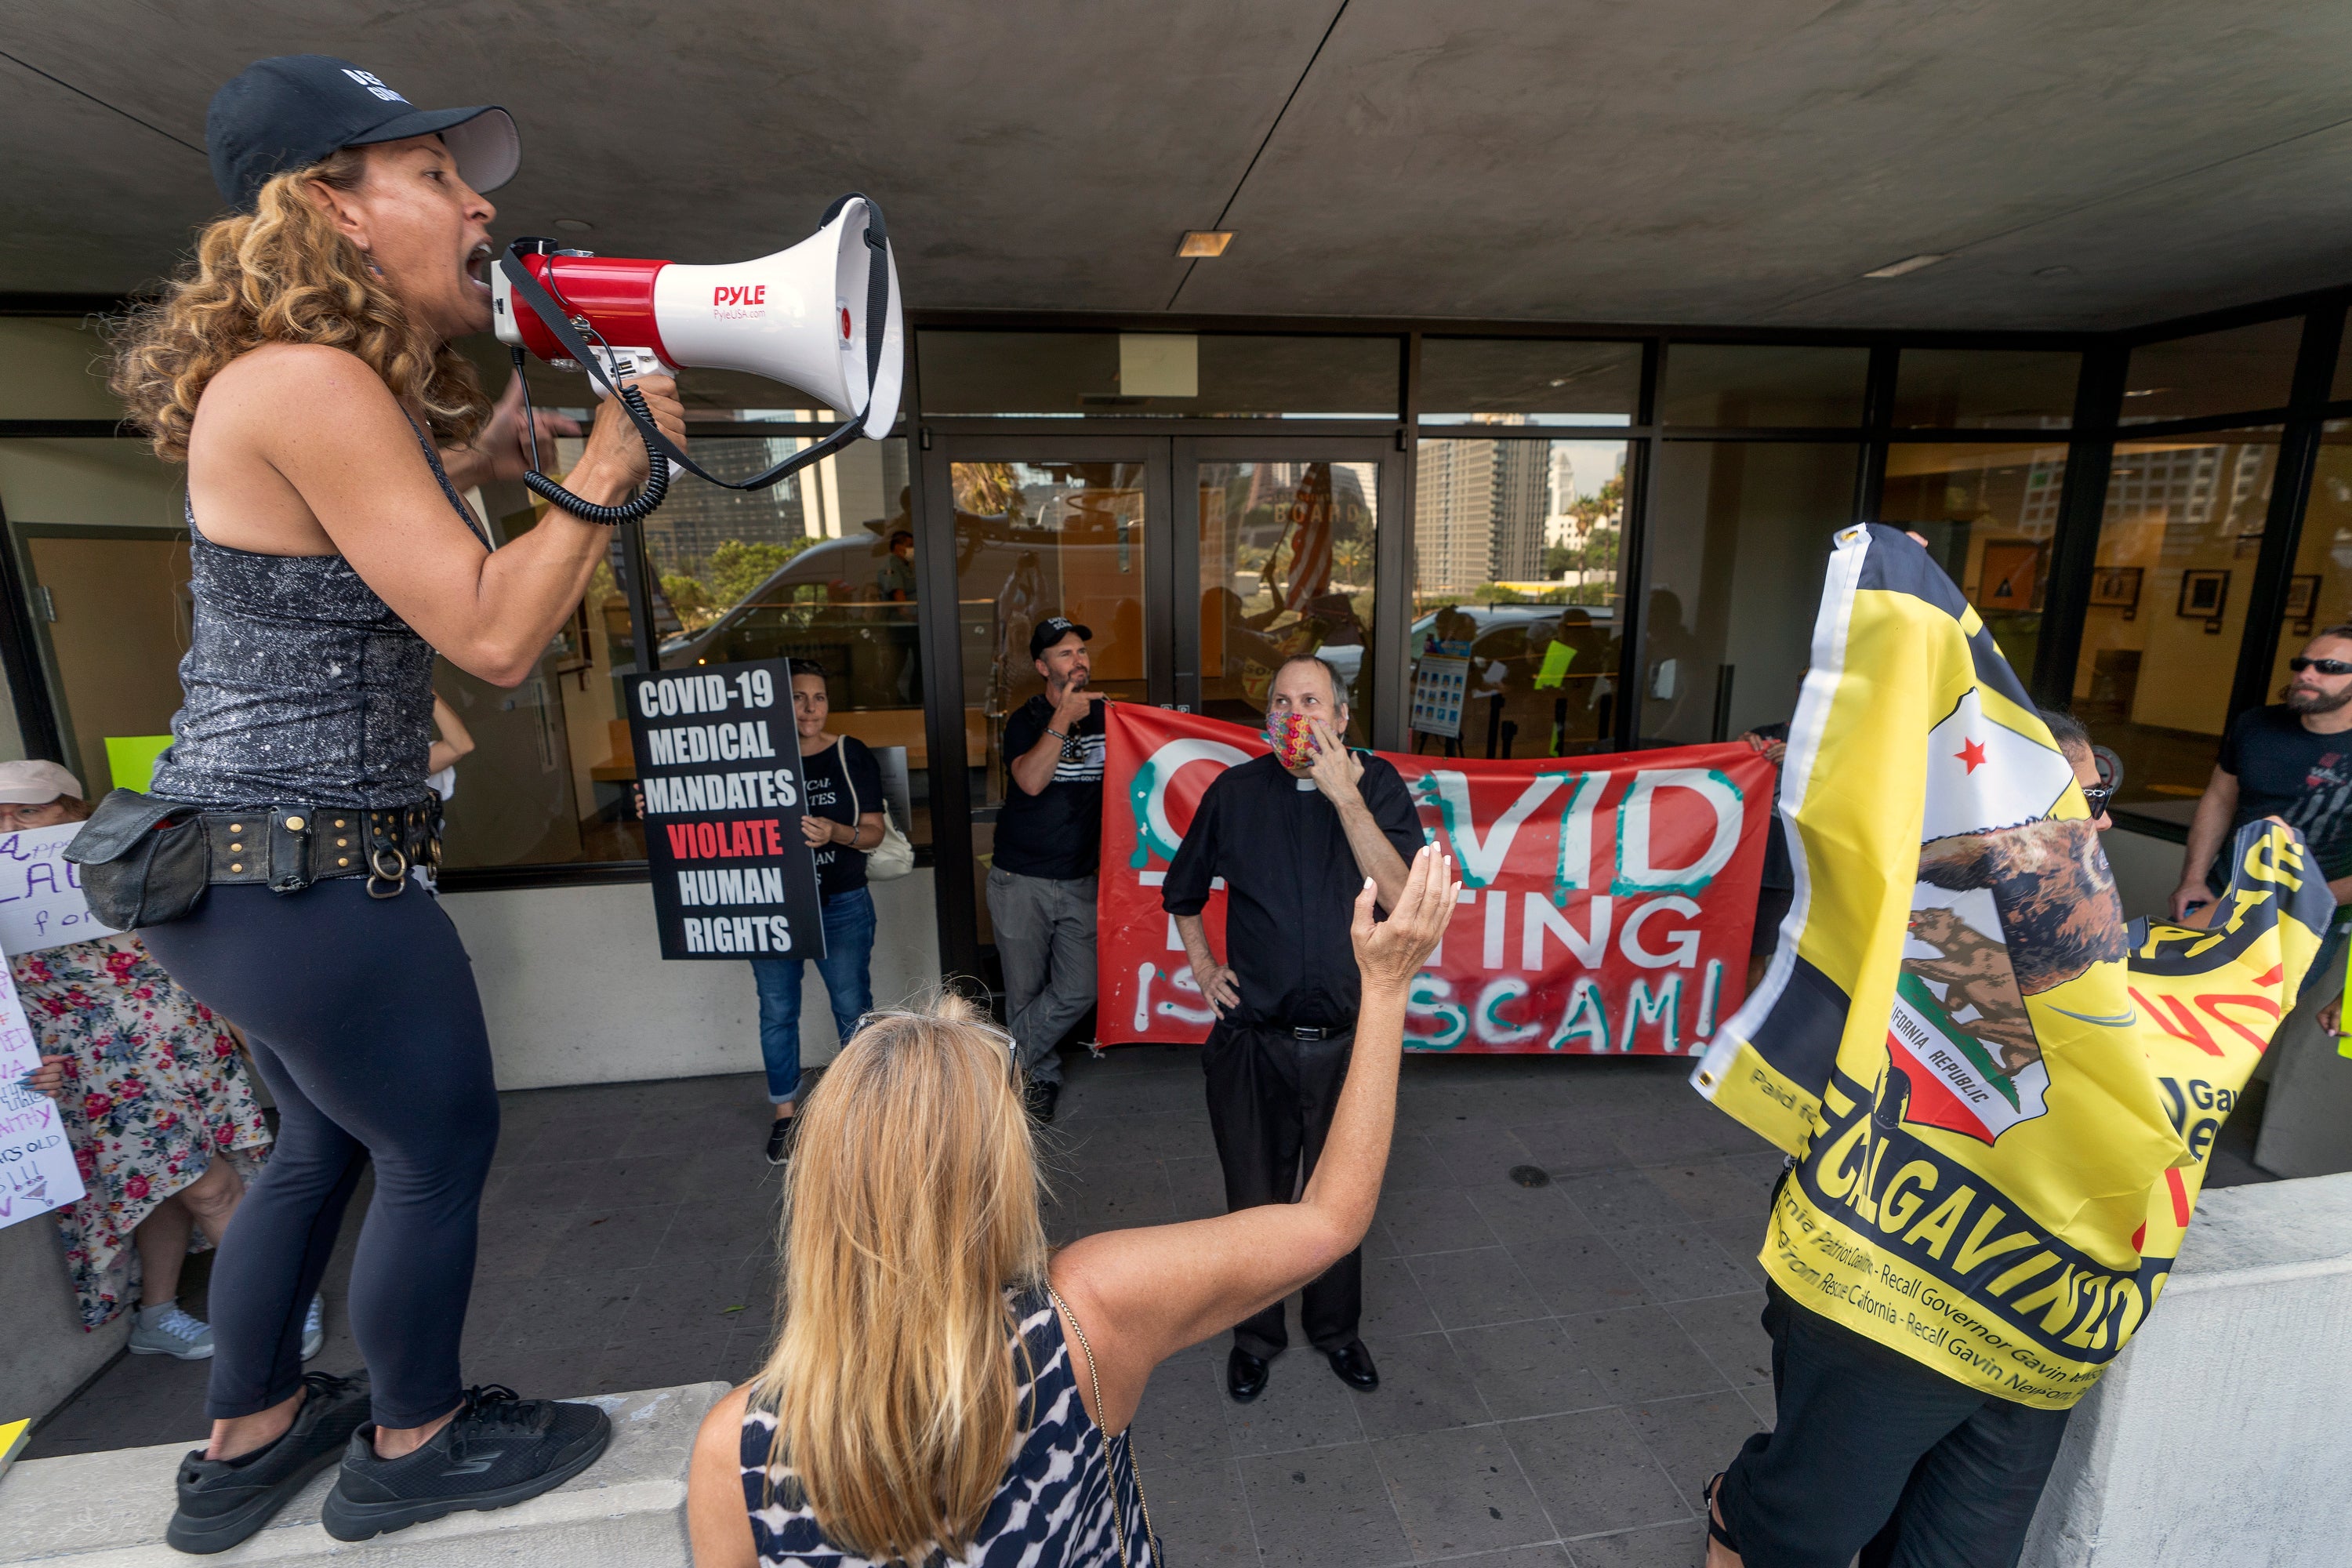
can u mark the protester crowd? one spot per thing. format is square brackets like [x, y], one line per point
[941, 1384]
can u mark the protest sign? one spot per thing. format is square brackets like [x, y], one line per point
[41, 902]
[1606, 906]
[38, 1172]
[719, 767]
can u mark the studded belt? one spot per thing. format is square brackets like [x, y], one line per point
[287, 847]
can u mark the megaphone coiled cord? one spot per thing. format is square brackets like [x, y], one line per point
[547, 489]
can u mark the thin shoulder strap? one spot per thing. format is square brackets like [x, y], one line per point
[441, 476]
[1111, 1472]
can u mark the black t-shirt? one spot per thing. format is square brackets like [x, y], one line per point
[2283, 770]
[1291, 884]
[1057, 832]
[839, 867]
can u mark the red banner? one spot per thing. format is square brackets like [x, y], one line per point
[1606, 902]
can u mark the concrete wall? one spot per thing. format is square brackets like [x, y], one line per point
[2218, 1436]
[49, 1355]
[577, 992]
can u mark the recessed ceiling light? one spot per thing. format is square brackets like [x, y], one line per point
[1204, 242]
[1908, 264]
[573, 225]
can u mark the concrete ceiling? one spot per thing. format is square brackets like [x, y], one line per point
[2095, 163]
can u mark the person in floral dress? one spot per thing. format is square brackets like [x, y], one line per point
[155, 1100]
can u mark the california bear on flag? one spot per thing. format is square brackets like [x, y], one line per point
[1992, 1084]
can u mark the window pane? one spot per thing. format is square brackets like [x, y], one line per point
[2212, 373]
[1507, 533]
[819, 566]
[1126, 374]
[1762, 384]
[1987, 512]
[1743, 537]
[1286, 568]
[1528, 381]
[1969, 389]
[2176, 545]
[2319, 593]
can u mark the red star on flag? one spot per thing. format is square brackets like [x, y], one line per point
[1973, 753]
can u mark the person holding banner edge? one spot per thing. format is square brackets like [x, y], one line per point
[1872, 1452]
[1294, 844]
[303, 368]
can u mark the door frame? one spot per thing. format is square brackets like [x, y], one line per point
[1172, 635]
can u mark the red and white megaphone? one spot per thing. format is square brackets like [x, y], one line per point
[823, 317]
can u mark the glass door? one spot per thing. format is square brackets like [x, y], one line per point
[1077, 527]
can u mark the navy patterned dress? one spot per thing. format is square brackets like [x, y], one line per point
[1052, 1507]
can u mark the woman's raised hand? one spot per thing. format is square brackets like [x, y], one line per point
[1389, 951]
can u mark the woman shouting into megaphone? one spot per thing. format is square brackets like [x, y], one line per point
[302, 367]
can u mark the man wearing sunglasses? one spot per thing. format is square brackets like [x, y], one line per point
[2292, 759]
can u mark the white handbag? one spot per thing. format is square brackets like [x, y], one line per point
[894, 856]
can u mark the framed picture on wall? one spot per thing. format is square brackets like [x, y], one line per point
[2006, 577]
[2203, 594]
[2117, 588]
[2303, 600]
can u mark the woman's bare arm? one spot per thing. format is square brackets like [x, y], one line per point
[321, 459]
[718, 1524]
[1142, 1295]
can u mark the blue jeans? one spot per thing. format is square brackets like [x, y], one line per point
[848, 946]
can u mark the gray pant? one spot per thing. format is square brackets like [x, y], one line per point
[1046, 937]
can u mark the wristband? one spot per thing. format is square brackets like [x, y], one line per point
[1059, 736]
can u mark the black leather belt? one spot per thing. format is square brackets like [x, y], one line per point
[287, 847]
[1300, 1032]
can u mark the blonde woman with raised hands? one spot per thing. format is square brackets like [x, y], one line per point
[917, 1405]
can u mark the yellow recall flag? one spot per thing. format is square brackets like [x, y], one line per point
[1998, 1098]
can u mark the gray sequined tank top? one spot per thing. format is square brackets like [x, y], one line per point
[300, 685]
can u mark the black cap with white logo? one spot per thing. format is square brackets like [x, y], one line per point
[291, 112]
[1052, 629]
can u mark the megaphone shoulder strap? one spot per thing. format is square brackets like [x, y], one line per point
[558, 321]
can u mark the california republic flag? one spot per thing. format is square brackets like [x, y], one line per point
[1983, 776]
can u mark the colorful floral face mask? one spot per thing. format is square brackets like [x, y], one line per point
[1292, 739]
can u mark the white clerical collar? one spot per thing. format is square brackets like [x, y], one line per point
[1304, 784]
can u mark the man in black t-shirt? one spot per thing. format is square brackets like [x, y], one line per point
[1041, 878]
[2292, 759]
[1293, 846]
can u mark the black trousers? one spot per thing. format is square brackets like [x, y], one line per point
[1875, 1454]
[1271, 1097]
[364, 1019]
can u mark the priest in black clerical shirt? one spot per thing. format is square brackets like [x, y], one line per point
[1293, 846]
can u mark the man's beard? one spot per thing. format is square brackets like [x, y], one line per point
[2310, 702]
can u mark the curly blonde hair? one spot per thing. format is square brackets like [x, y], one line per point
[283, 274]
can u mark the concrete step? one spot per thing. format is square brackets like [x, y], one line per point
[109, 1509]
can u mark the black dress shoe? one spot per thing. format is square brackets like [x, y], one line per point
[1354, 1365]
[1042, 1098]
[1245, 1376]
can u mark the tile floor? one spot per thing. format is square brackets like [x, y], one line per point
[1562, 1366]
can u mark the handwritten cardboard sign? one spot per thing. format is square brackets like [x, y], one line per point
[719, 765]
[41, 902]
[36, 1160]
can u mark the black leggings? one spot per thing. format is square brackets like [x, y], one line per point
[363, 1018]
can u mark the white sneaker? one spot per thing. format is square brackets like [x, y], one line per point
[172, 1332]
[314, 1328]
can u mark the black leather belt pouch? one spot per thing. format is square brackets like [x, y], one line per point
[144, 860]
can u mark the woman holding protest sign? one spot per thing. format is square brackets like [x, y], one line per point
[153, 1098]
[842, 820]
[301, 367]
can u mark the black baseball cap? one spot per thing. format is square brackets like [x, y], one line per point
[1052, 629]
[291, 111]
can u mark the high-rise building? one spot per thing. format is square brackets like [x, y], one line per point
[1479, 509]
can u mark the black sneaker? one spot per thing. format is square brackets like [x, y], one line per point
[498, 1451]
[780, 1140]
[1042, 1098]
[223, 1501]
